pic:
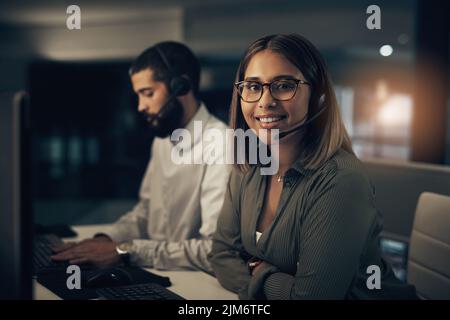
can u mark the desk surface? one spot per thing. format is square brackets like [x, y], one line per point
[192, 285]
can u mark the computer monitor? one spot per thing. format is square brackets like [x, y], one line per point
[15, 198]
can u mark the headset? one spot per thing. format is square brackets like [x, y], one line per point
[306, 121]
[178, 86]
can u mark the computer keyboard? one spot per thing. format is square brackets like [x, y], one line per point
[146, 291]
[42, 251]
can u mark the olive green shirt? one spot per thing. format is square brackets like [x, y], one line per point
[320, 243]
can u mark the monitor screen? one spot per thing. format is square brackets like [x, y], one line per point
[15, 201]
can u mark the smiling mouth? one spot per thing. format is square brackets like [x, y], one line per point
[271, 119]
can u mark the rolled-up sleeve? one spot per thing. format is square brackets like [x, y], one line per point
[187, 253]
[163, 255]
[190, 253]
[131, 225]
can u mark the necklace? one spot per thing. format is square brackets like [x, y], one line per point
[280, 177]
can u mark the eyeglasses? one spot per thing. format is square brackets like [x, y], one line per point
[280, 90]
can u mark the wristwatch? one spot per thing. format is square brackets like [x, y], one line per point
[123, 249]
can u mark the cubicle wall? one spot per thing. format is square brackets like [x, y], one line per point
[398, 186]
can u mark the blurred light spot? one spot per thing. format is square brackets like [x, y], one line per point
[386, 50]
[396, 111]
[75, 152]
[56, 149]
[403, 38]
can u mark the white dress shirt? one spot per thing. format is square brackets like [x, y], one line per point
[172, 224]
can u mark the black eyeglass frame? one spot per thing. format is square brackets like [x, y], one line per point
[269, 84]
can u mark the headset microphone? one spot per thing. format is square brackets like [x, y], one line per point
[303, 122]
[165, 108]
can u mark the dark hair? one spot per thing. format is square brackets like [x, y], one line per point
[181, 59]
[325, 134]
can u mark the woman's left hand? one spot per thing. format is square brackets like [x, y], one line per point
[261, 265]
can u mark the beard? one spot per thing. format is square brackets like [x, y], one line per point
[166, 121]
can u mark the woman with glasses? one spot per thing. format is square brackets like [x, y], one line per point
[310, 231]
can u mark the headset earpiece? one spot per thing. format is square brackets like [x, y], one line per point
[180, 86]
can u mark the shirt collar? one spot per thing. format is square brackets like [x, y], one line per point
[297, 167]
[301, 169]
[201, 117]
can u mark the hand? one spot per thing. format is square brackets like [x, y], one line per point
[260, 265]
[67, 245]
[100, 251]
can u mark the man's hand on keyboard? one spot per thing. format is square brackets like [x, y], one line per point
[99, 251]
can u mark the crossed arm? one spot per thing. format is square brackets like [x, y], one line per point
[336, 226]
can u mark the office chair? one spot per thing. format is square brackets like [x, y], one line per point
[429, 253]
[398, 186]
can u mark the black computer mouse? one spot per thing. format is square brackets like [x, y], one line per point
[112, 277]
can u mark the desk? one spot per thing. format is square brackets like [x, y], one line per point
[192, 285]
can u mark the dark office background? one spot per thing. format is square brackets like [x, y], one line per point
[90, 146]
